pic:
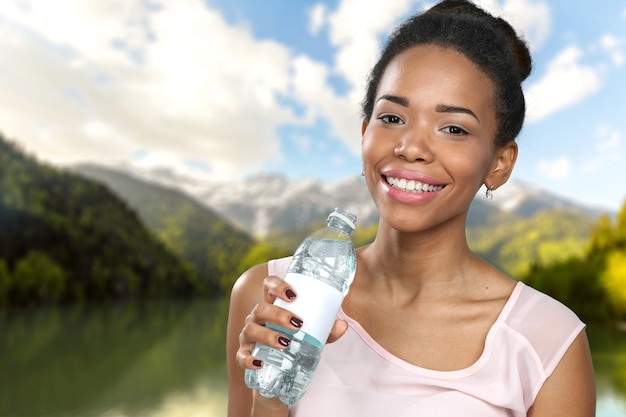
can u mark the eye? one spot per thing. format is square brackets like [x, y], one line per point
[391, 119]
[454, 130]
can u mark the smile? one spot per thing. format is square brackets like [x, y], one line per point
[412, 185]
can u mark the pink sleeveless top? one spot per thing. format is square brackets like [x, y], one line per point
[357, 377]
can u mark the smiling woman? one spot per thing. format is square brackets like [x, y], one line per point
[428, 327]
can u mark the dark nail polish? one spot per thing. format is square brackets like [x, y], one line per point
[283, 341]
[296, 322]
[290, 294]
[257, 363]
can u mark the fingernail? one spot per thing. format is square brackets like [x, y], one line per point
[257, 363]
[283, 341]
[290, 294]
[296, 322]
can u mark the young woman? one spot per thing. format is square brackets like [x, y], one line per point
[429, 328]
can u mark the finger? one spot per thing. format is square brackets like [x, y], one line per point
[255, 331]
[275, 287]
[339, 329]
[251, 334]
[272, 314]
[245, 359]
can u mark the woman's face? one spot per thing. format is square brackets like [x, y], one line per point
[429, 144]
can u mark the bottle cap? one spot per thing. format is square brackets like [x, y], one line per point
[347, 220]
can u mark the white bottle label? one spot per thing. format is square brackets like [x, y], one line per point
[317, 303]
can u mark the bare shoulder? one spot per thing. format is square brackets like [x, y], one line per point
[570, 390]
[249, 286]
[246, 293]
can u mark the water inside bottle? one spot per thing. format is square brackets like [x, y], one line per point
[330, 261]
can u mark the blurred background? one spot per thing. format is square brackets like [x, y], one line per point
[152, 150]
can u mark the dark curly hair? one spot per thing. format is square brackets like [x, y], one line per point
[489, 42]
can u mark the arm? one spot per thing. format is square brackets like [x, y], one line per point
[250, 307]
[246, 293]
[570, 390]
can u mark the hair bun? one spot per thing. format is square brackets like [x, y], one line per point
[522, 53]
[518, 45]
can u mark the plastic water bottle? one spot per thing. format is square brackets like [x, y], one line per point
[321, 272]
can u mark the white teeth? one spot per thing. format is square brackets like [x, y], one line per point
[412, 185]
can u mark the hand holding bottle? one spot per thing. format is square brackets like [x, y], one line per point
[322, 269]
[255, 330]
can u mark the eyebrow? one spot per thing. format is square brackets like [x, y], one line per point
[441, 108]
[403, 101]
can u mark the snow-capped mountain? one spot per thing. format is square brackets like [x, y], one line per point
[526, 200]
[272, 202]
[267, 202]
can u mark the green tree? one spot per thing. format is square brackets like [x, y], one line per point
[260, 253]
[95, 246]
[601, 234]
[613, 280]
[5, 282]
[37, 276]
[620, 227]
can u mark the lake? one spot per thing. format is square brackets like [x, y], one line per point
[163, 359]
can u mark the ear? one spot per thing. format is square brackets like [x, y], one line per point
[502, 166]
[363, 129]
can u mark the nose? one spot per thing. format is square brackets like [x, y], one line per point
[415, 145]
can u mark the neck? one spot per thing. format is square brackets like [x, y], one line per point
[412, 263]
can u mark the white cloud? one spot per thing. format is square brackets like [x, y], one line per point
[566, 82]
[614, 47]
[607, 152]
[107, 81]
[609, 42]
[102, 81]
[302, 141]
[557, 169]
[609, 138]
[317, 18]
[532, 19]
[355, 31]
[310, 85]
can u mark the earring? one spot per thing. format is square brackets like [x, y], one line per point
[363, 172]
[489, 193]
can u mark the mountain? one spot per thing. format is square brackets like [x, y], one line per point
[526, 201]
[64, 238]
[190, 229]
[520, 227]
[267, 202]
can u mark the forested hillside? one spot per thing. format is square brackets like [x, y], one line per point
[212, 246]
[510, 240]
[65, 239]
[514, 243]
[593, 284]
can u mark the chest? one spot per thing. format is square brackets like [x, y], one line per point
[445, 337]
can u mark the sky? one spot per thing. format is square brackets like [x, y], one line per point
[198, 91]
